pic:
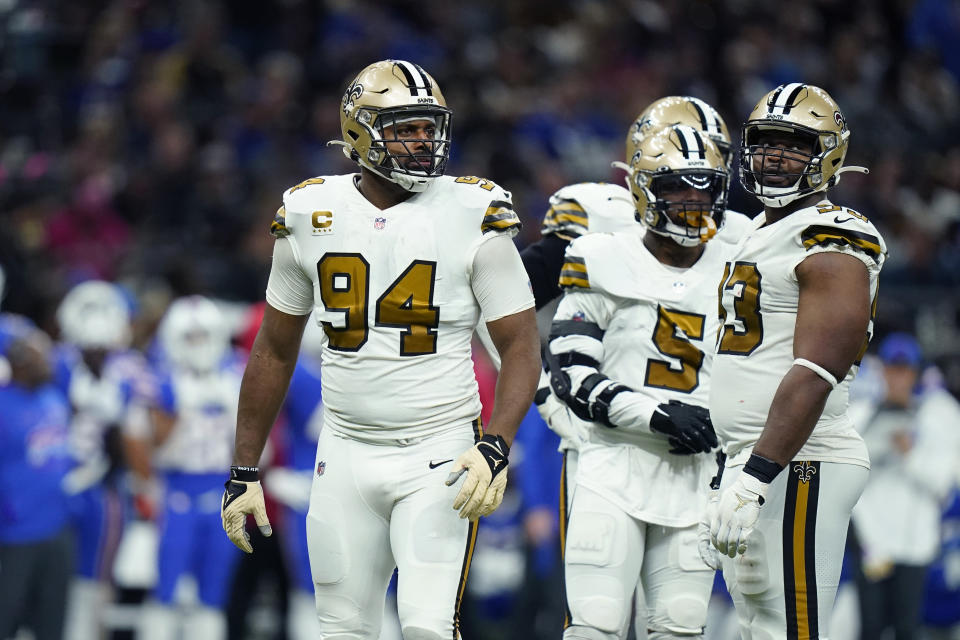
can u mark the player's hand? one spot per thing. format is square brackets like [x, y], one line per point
[243, 495]
[736, 514]
[708, 552]
[485, 464]
[558, 417]
[687, 426]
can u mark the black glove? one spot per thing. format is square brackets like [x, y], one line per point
[688, 427]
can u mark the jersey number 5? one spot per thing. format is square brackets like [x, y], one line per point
[739, 296]
[406, 304]
[660, 374]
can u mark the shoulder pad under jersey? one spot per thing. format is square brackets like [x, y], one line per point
[827, 224]
[494, 201]
[588, 207]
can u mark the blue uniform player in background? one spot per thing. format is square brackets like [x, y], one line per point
[98, 372]
[194, 418]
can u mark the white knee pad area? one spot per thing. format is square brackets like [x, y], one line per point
[418, 633]
[587, 633]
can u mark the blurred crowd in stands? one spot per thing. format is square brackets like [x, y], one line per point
[148, 143]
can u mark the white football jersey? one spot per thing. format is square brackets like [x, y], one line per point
[759, 296]
[735, 226]
[658, 325]
[99, 402]
[392, 290]
[589, 207]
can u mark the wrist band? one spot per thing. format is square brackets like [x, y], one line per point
[762, 469]
[244, 474]
[817, 369]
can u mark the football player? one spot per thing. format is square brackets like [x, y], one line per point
[629, 353]
[796, 305]
[193, 418]
[100, 375]
[399, 262]
[591, 207]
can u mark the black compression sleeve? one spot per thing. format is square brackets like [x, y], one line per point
[543, 262]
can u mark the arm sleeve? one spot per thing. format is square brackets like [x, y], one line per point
[578, 332]
[289, 289]
[499, 281]
[543, 262]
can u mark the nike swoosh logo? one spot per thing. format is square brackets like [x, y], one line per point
[434, 465]
[839, 221]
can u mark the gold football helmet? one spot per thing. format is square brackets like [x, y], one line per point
[687, 110]
[673, 160]
[805, 112]
[384, 95]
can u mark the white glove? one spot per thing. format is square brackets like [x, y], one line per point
[243, 495]
[485, 464]
[709, 553]
[737, 513]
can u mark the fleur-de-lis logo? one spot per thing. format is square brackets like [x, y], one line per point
[804, 471]
[353, 93]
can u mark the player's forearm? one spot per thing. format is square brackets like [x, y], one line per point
[793, 414]
[262, 391]
[631, 411]
[516, 384]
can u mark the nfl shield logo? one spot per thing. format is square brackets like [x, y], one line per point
[379, 223]
[321, 467]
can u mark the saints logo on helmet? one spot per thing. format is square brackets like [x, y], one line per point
[807, 115]
[687, 110]
[667, 167]
[377, 104]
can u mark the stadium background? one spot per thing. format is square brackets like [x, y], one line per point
[149, 143]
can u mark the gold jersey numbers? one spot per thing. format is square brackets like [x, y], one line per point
[406, 304]
[739, 297]
[483, 182]
[670, 343]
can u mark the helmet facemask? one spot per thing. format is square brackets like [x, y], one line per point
[686, 222]
[762, 165]
[417, 160]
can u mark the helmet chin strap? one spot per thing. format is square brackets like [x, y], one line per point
[414, 184]
[787, 198]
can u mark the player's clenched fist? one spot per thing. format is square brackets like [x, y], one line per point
[485, 464]
[243, 495]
